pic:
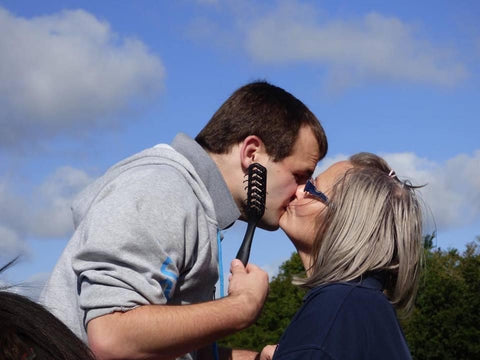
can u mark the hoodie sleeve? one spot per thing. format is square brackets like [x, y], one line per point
[134, 241]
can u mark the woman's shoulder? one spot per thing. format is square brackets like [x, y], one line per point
[351, 301]
[364, 321]
[345, 320]
[343, 304]
[368, 289]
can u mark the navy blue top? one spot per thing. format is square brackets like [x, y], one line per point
[351, 320]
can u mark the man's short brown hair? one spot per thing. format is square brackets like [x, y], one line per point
[264, 110]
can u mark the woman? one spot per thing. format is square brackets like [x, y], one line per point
[358, 231]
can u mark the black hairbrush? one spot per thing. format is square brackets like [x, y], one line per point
[255, 206]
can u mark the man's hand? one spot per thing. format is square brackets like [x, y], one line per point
[267, 352]
[250, 284]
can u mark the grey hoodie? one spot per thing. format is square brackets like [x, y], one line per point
[145, 233]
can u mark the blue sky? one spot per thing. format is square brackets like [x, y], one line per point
[84, 84]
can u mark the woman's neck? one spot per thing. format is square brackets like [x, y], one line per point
[306, 260]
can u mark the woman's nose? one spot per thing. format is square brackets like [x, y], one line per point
[300, 193]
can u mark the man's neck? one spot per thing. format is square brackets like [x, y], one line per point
[230, 167]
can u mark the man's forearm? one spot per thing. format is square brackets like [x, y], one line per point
[166, 331]
[163, 331]
[244, 355]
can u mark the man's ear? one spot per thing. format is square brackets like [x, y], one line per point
[251, 149]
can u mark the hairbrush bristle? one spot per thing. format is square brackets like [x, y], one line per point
[256, 191]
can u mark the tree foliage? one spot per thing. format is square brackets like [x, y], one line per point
[445, 323]
[283, 301]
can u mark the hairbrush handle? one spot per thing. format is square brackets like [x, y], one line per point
[244, 252]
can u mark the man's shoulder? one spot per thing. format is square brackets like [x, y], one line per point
[154, 181]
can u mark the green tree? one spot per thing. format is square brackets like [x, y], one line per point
[283, 301]
[446, 321]
[428, 241]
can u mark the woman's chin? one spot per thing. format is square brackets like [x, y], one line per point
[295, 241]
[283, 223]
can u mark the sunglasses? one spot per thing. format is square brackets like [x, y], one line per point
[313, 191]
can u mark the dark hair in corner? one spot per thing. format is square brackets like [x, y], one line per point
[29, 331]
[264, 110]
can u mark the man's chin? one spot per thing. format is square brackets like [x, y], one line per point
[269, 226]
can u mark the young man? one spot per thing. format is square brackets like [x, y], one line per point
[137, 278]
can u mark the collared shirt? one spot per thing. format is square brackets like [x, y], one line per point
[226, 209]
[351, 320]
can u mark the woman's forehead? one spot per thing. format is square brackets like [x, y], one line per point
[333, 173]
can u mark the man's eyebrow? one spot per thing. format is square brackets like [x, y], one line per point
[307, 174]
[310, 172]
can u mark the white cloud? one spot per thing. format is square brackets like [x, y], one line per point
[31, 288]
[11, 244]
[374, 46]
[44, 213]
[51, 215]
[351, 50]
[453, 188]
[13, 219]
[67, 73]
[273, 268]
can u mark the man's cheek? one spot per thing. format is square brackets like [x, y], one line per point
[290, 189]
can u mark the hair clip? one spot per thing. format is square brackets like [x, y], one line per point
[392, 174]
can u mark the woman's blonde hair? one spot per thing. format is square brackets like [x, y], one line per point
[373, 225]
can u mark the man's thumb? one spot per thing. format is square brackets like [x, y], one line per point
[236, 266]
